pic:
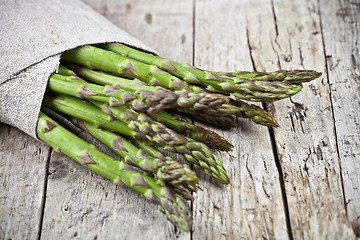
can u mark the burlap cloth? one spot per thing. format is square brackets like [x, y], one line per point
[33, 34]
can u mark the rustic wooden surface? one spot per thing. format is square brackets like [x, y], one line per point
[299, 181]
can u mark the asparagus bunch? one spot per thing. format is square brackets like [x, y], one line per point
[128, 126]
[194, 152]
[173, 205]
[187, 100]
[96, 58]
[126, 107]
[154, 70]
[241, 108]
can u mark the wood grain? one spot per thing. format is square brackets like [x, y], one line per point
[342, 52]
[299, 181]
[305, 142]
[23, 162]
[251, 206]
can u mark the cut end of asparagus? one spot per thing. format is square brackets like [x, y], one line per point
[48, 125]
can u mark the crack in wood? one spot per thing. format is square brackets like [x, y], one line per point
[276, 32]
[301, 57]
[43, 197]
[271, 131]
[250, 47]
[332, 107]
[193, 63]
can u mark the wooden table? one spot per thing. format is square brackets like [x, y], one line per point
[299, 181]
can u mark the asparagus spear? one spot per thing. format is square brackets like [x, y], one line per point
[255, 113]
[267, 91]
[86, 111]
[171, 172]
[210, 138]
[62, 70]
[223, 110]
[252, 112]
[243, 88]
[96, 58]
[173, 205]
[228, 121]
[143, 101]
[294, 76]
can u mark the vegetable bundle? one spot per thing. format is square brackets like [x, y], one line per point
[129, 100]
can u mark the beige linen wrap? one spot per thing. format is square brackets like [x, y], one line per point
[33, 34]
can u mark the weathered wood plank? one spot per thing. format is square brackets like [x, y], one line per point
[284, 34]
[83, 205]
[341, 31]
[23, 162]
[165, 26]
[305, 142]
[251, 206]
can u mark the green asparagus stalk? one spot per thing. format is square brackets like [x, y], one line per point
[173, 205]
[254, 113]
[96, 58]
[180, 124]
[223, 110]
[142, 101]
[243, 88]
[88, 112]
[294, 76]
[62, 70]
[171, 172]
[266, 91]
[228, 121]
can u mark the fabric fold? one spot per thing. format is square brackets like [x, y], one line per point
[33, 34]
